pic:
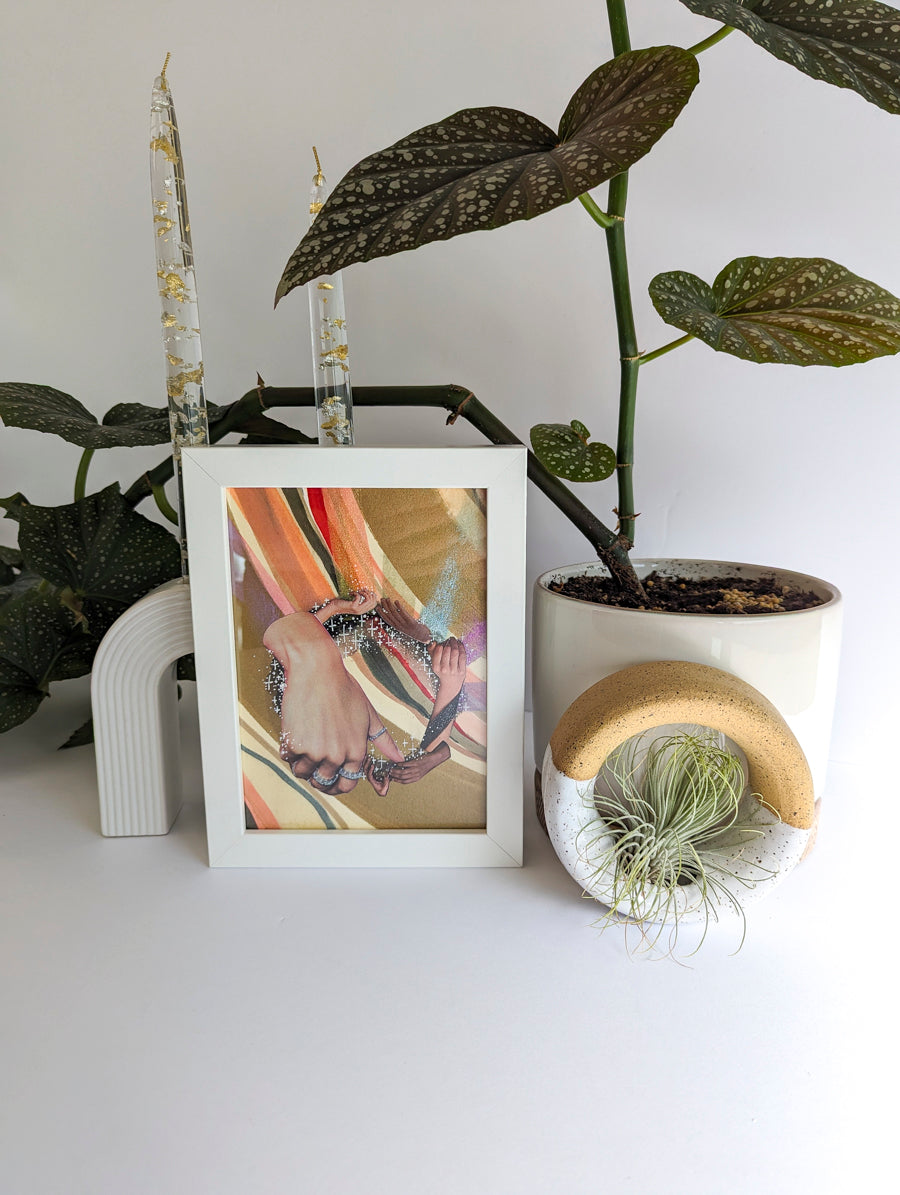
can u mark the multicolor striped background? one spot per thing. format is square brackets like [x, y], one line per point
[294, 549]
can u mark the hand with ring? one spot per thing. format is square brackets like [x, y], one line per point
[327, 721]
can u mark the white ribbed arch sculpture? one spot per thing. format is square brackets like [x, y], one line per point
[135, 708]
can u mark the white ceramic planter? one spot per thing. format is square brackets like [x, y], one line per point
[790, 657]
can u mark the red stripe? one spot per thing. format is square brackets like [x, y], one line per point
[319, 514]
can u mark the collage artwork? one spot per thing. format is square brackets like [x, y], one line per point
[360, 646]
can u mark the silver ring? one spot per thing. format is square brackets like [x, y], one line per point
[376, 735]
[325, 781]
[351, 775]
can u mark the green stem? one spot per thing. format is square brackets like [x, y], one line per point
[159, 497]
[666, 348]
[81, 476]
[618, 26]
[621, 285]
[595, 212]
[628, 357]
[712, 40]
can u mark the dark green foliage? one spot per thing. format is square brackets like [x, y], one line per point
[565, 451]
[78, 567]
[787, 310]
[98, 547]
[849, 43]
[186, 669]
[126, 425]
[44, 409]
[39, 643]
[486, 167]
[80, 737]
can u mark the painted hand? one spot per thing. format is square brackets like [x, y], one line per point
[448, 663]
[378, 775]
[357, 603]
[396, 615]
[412, 770]
[326, 719]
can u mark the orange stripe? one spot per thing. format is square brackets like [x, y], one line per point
[288, 563]
[350, 546]
[263, 816]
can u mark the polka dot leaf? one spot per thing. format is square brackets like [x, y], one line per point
[100, 549]
[783, 310]
[848, 43]
[40, 641]
[565, 451]
[483, 168]
[43, 409]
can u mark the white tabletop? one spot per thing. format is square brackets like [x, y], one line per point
[168, 1029]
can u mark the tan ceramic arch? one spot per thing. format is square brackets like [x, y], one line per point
[668, 691]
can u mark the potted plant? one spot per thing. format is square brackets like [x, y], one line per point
[483, 168]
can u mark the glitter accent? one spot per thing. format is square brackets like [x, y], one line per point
[164, 146]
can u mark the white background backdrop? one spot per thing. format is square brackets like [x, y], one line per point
[357, 1027]
[768, 464]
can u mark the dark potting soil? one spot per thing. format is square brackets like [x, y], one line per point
[694, 595]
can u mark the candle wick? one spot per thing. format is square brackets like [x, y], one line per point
[320, 177]
[162, 73]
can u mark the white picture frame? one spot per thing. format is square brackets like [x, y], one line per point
[208, 475]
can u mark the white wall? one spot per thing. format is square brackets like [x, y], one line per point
[766, 464]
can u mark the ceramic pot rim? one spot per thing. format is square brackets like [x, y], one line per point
[672, 562]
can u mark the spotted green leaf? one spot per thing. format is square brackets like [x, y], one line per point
[565, 451]
[10, 566]
[787, 310]
[80, 737]
[43, 409]
[38, 643]
[15, 580]
[485, 167]
[849, 43]
[13, 506]
[100, 549]
[126, 425]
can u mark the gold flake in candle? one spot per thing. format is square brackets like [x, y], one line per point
[339, 350]
[315, 208]
[175, 287]
[164, 146]
[324, 286]
[339, 323]
[174, 360]
[175, 385]
[168, 319]
[165, 225]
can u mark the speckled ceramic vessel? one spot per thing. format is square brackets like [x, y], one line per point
[791, 658]
[648, 696]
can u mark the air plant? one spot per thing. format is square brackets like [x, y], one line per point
[674, 814]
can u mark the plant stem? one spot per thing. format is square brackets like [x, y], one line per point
[595, 212]
[711, 40]
[666, 348]
[618, 26]
[159, 497]
[81, 476]
[621, 284]
[628, 357]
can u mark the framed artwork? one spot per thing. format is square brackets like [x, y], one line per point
[359, 637]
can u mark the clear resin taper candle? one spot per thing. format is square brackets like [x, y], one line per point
[328, 326]
[177, 288]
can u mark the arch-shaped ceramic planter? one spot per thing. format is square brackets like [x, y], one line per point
[657, 694]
